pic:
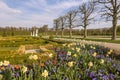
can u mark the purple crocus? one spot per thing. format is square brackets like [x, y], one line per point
[94, 79]
[92, 74]
[79, 76]
[105, 77]
[17, 75]
[67, 78]
[13, 68]
[111, 76]
[119, 68]
[114, 65]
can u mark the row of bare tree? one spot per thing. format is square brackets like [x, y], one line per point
[84, 16]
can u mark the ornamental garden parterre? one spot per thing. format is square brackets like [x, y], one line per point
[71, 61]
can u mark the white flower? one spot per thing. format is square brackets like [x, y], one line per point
[69, 53]
[90, 64]
[50, 55]
[91, 46]
[30, 57]
[6, 63]
[94, 48]
[45, 73]
[102, 61]
[1, 63]
[35, 57]
[24, 69]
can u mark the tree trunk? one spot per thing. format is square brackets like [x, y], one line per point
[114, 29]
[70, 32]
[85, 32]
[56, 33]
[62, 32]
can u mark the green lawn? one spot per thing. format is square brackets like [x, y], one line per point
[96, 38]
[10, 45]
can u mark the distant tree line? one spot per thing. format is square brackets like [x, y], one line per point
[83, 16]
[44, 31]
[91, 32]
[12, 31]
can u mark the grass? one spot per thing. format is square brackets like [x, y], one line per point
[10, 45]
[98, 40]
[8, 48]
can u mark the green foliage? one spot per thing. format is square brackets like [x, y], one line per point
[51, 37]
[4, 34]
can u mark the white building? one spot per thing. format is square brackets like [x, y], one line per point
[34, 33]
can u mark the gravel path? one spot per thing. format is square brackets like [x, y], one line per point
[114, 46]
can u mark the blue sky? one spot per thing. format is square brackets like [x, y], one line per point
[28, 13]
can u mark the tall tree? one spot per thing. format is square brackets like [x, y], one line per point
[71, 18]
[45, 29]
[111, 11]
[62, 22]
[56, 26]
[85, 11]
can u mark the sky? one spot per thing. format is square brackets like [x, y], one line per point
[28, 13]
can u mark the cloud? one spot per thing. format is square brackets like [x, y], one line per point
[4, 8]
[34, 12]
[30, 13]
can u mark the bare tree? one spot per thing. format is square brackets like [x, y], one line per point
[111, 11]
[56, 26]
[85, 12]
[62, 22]
[71, 15]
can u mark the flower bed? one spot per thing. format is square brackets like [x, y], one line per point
[74, 61]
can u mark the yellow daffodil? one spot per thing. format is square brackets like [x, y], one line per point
[78, 49]
[75, 55]
[1, 63]
[1, 77]
[50, 55]
[102, 61]
[70, 64]
[24, 69]
[90, 64]
[94, 54]
[6, 63]
[72, 48]
[45, 73]
[2, 68]
[64, 45]
[109, 53]
[91, 47]
[35, 57]
[111, 50]
[68, 45]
